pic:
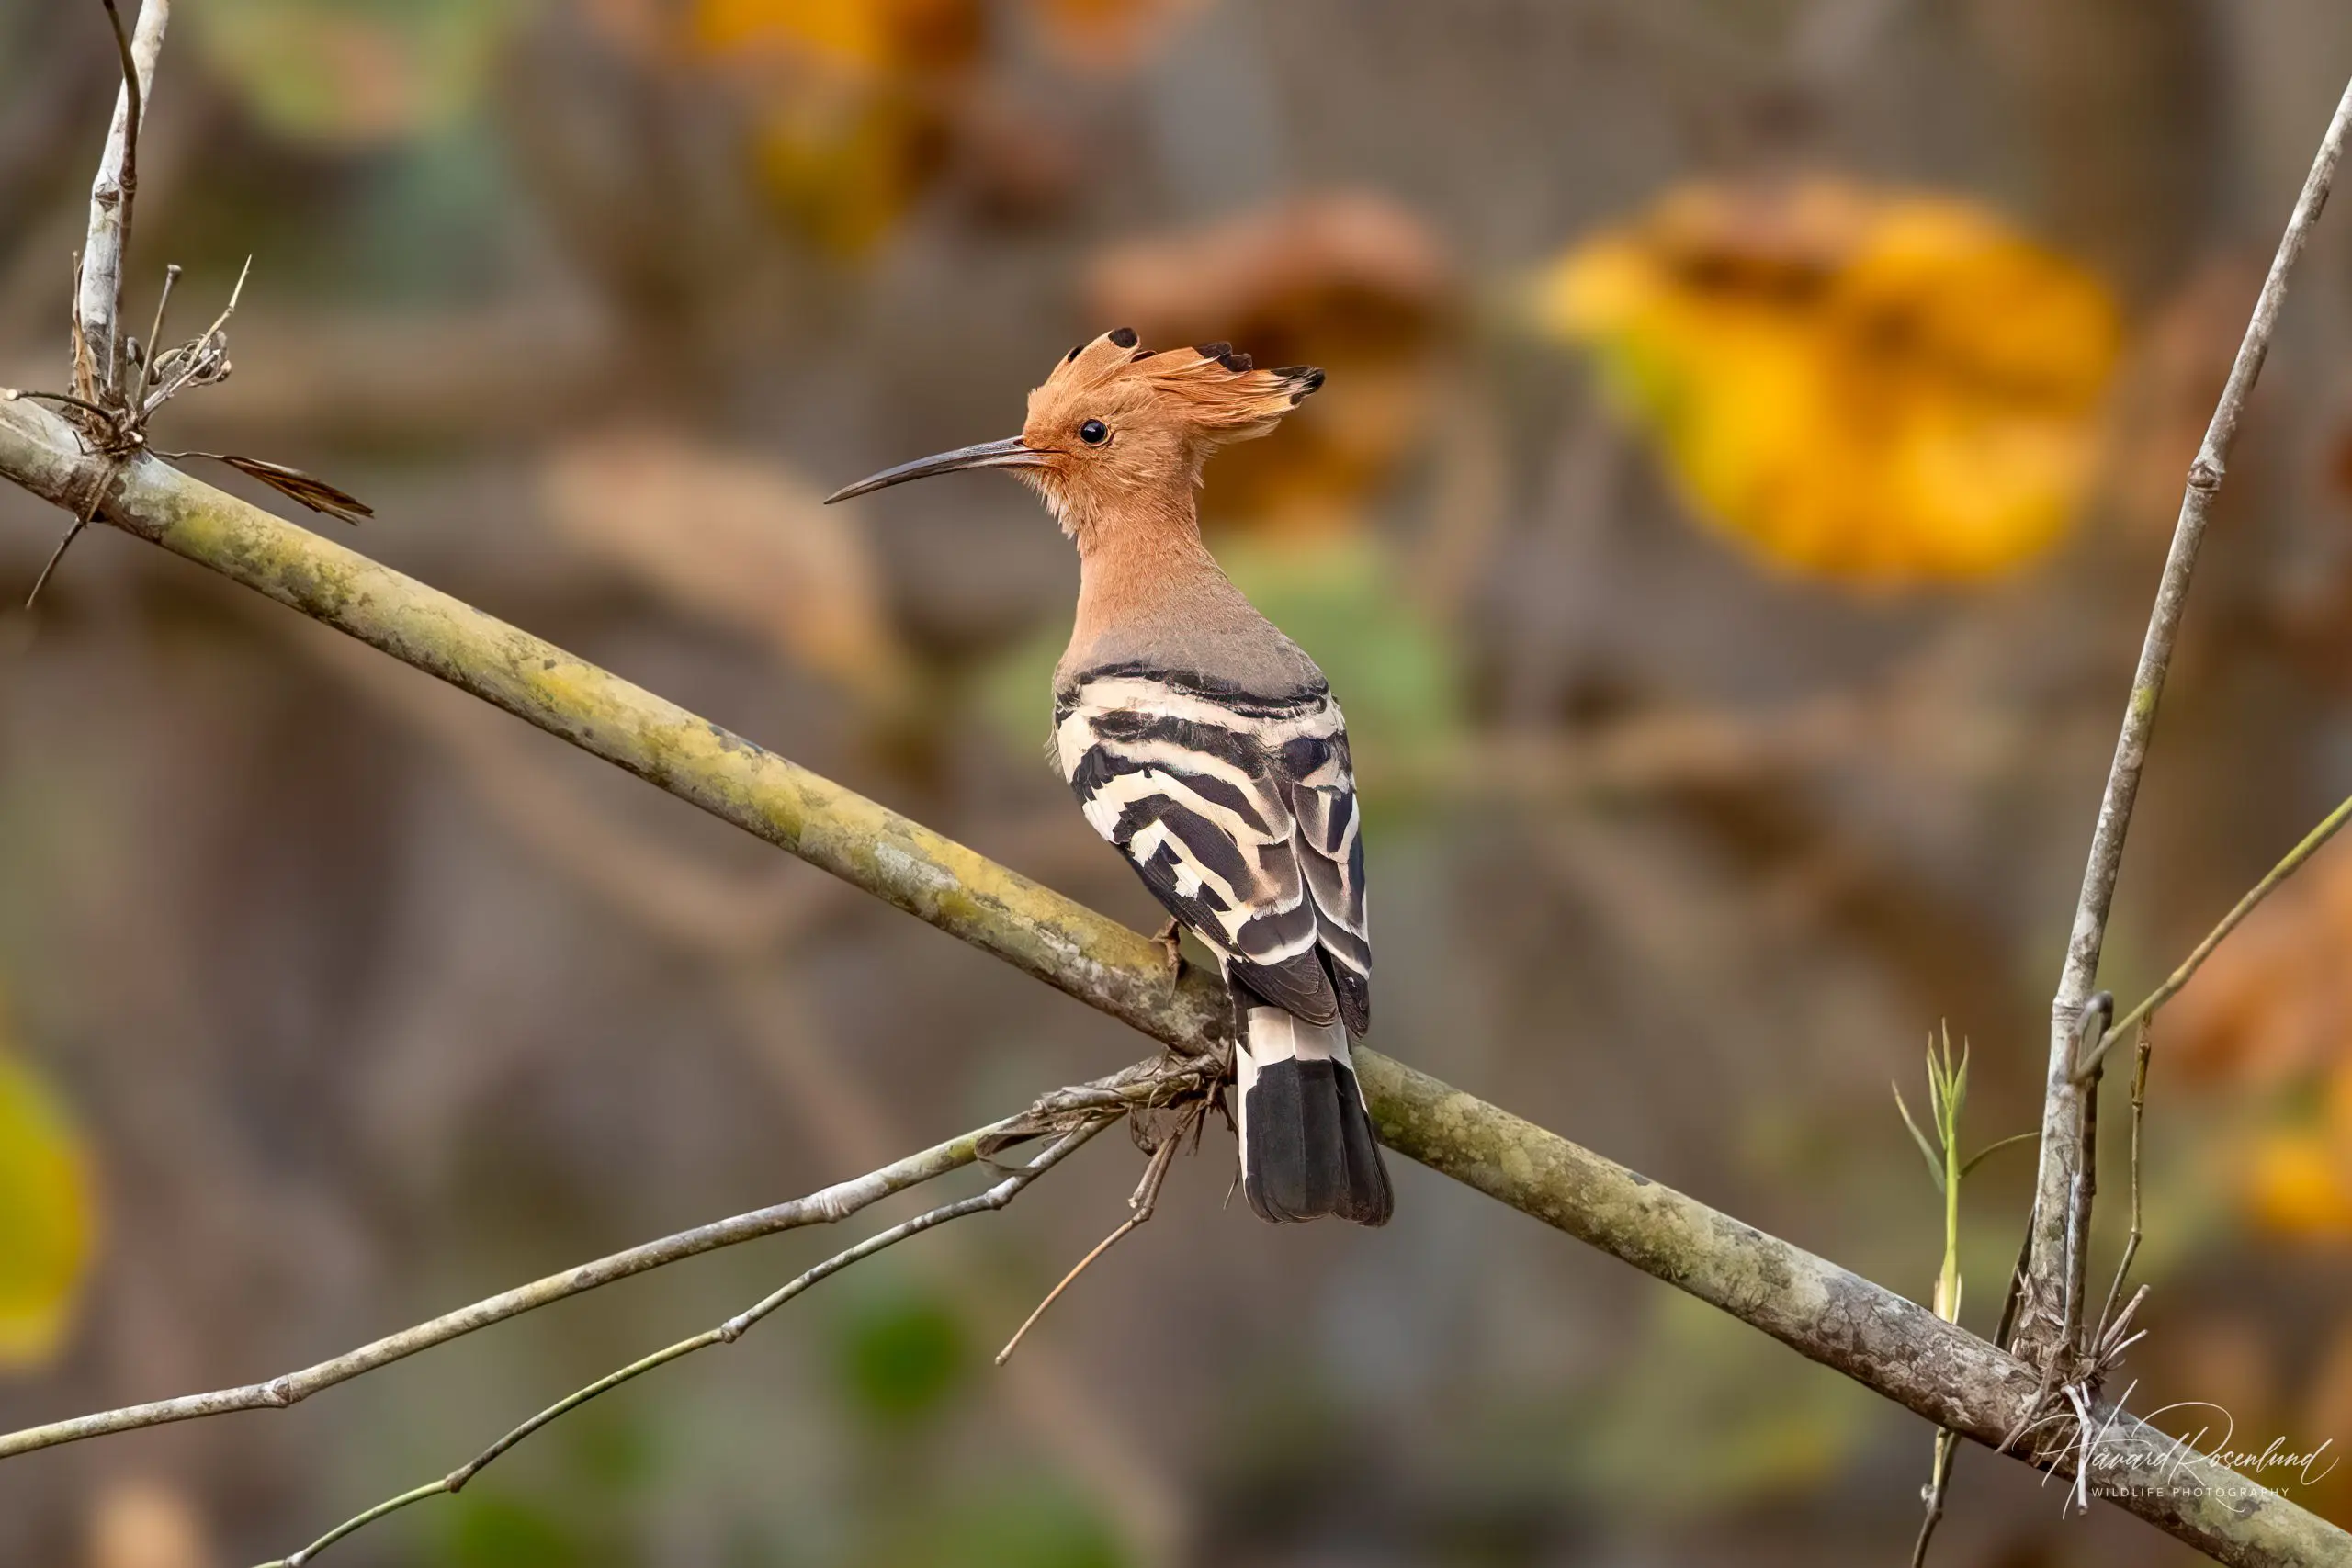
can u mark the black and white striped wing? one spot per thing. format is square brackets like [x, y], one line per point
[1240, 816]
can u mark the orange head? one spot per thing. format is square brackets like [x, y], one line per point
[1119, 428]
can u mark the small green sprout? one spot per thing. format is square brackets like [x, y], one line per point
[1946, 1093]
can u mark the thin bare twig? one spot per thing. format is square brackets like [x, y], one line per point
[1144, 1083]
[199, 361]
[1939, 1482]
[48, 567]
[2180, 977]
[1144, 1202]
[726, 1333]
[2132, 1241]
[2054, 1248]
[155, 334]
[67, 399]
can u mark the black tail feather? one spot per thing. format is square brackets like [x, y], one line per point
[1307, 1147]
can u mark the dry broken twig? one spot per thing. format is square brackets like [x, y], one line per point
[1142, 1205]
[98, 304]
[114, 406]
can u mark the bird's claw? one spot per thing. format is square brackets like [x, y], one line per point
[1172, 941]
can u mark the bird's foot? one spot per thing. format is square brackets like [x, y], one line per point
[1172, 941]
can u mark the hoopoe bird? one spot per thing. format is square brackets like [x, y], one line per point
[1204, 745]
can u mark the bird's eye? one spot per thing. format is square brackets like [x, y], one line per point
[1094, 433]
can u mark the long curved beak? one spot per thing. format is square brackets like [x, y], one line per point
[1006, 454]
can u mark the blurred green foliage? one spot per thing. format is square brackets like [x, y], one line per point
[354, 72]
[900, 1353]
[1709, 1412]
[1024, 1523]
[1341, 599]
[491, 1529]
[1345, 601]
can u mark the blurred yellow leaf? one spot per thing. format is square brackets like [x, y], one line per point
[1874, 387]
[865, 37]
[737, 539]
[1352, 283]
[855, 101]
[354, 71]
[914, 36]
[47, 1216]
[842, 167]
[2296, 1184]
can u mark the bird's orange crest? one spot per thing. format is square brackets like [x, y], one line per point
[1209, 391]
[1119, 424]
[1116, 437]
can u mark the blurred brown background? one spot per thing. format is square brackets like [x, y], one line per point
[1752, 433]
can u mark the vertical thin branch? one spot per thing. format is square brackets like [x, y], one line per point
[155, 335]
[1933, 1494]
[2131, 1240]
[98, 306]
[2041, 1329]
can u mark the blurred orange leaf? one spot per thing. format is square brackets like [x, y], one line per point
[2273, 1006]
[737, 539]
[1352, 283]
[47, 1216]
[2164, 395]
[2327, 1412]
[1873, 387]
[2271, 1011]
[1108, 34]
[137, 1522]
[2298, 1176]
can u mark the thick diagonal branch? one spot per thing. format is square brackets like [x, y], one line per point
[2058, 1248]
[1891, 1345]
